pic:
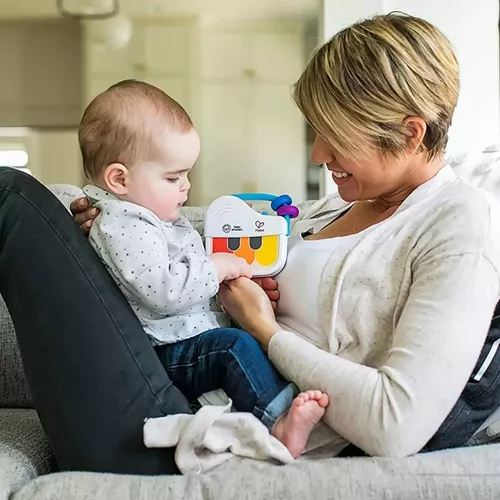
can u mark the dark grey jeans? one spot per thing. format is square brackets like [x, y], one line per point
[93, 374]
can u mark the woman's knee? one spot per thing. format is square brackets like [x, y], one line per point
[29, 190]
[13, 179]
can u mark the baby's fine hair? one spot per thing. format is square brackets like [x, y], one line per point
[119, 124]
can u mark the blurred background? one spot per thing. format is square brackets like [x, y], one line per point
[230, 63]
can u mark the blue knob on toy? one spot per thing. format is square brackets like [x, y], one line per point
[282, 205]
[280, 201]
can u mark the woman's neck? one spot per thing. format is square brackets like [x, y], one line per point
[418, 175]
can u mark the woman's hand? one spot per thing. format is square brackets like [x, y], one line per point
[248, 304]
[270, 286]
[83, 214]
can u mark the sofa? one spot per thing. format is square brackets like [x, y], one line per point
[28, 470]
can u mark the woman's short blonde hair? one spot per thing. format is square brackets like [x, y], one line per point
[359, 87]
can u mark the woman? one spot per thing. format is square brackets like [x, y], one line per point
[385, 302]
[390, 287]
[400, 272]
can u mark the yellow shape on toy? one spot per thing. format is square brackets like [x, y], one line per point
[267, 254]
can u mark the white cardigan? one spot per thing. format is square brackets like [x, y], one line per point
[405, 316]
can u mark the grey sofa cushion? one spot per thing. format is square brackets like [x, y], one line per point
[24, 450]
[14, 391]
[458, 474]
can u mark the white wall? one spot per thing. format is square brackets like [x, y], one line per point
[41, 88]
[473, 30]
[41, 77]
[55, 156]
[253, 136]
[232, 75]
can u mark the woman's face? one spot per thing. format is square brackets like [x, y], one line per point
[367, 179]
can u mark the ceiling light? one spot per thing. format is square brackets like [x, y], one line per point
[88, 9]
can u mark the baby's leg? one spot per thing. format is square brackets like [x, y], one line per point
[232, 360]
[294, 427]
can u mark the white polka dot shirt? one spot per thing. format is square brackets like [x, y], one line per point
[161, 268]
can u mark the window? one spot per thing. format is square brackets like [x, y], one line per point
[13, 158]
[13, 148]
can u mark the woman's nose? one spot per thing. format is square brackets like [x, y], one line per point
[321, 151]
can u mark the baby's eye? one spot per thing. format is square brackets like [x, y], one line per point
[173, 179]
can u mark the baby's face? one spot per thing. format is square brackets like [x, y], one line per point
[162, 185]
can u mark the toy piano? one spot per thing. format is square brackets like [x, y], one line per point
[232, 226]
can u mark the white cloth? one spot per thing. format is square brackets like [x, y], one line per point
[299, 283]
[212, 436]
[161, 267]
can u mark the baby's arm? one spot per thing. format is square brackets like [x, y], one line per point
[136, 252]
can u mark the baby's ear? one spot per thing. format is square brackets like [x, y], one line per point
[116, 178]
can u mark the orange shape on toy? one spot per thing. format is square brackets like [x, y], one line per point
[245, 251]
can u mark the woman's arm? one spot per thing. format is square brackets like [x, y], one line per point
[394, 409]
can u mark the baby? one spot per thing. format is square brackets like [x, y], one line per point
[138, 146]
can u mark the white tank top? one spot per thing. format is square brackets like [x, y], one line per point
[299, 283]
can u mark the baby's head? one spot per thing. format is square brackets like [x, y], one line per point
[139, 144]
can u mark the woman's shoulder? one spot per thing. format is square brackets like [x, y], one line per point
[463, 216]
[461, 200]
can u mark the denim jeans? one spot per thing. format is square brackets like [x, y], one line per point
[232, 360]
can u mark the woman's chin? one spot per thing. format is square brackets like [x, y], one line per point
[347, 195]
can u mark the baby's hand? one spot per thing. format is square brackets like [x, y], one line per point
[230, 267]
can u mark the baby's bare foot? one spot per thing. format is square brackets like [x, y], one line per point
[293, 428]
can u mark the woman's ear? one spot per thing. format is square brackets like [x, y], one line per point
[116, 178]
[415, 130]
